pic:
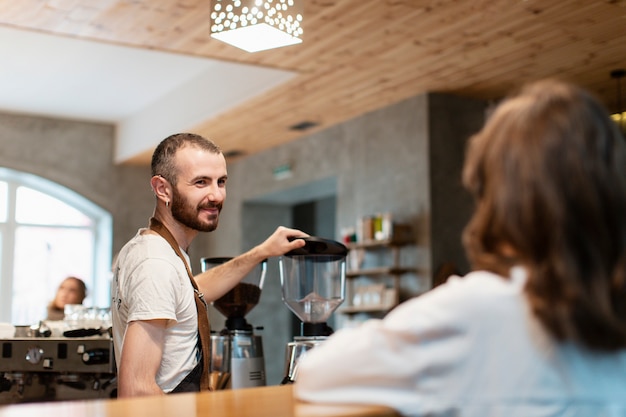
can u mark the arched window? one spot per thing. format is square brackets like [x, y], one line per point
[47, 233]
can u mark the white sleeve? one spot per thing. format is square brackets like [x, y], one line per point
[153, 291]
[383, 361]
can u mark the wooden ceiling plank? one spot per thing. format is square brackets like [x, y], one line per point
[359, 55]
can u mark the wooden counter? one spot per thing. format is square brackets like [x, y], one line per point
[273, 401]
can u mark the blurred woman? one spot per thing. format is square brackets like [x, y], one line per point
[72, 290]
[539, 327]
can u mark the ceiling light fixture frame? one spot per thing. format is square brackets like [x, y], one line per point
[257, 25]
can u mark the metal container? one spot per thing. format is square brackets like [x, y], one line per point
[247, 364]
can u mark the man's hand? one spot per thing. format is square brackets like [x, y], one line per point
[283, 240]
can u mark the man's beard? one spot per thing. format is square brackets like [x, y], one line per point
[187, 215]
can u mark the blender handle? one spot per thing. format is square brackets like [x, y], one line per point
[263, 272]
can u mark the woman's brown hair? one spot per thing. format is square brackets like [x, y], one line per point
[548, 172]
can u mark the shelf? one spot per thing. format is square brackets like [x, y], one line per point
[365, 309]
[370, 244]
[375, 296]
[373, 244]
[379, 271]
[399, 234]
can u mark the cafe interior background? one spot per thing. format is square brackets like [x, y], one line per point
[369, 114]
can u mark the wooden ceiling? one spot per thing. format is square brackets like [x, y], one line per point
[362, 55]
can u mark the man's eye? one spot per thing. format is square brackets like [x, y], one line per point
[221, 182]
[201, 182]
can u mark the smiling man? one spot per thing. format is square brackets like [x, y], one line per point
[155, 300]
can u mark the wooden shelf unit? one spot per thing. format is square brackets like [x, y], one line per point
[391, 272]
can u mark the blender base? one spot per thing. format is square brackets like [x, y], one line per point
[247, 363]
[296, 350]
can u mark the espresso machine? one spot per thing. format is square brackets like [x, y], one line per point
[313, 282]
[247, 364]
[35, 368]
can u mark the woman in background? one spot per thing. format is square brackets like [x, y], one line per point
[539, 327]
[72, 290]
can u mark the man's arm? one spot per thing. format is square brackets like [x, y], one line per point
[219, 280]
[141, 357]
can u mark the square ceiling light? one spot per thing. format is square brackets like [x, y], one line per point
[257, 25]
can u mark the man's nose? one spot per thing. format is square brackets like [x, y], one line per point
[215, 193]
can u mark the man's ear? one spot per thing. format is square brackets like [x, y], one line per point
[162, 188]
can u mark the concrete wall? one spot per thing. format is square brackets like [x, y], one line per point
[452, 121]
[79, 156]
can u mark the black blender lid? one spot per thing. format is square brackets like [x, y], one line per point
[219, 260]
[317, 246]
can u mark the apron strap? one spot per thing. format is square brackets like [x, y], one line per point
[204, 328]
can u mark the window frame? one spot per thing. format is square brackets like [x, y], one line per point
[99, 291]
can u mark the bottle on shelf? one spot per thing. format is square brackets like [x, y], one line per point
[374, 287]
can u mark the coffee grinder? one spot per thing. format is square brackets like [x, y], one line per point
[247, 365]
[313, 281]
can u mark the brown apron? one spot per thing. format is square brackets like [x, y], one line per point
[198, 378]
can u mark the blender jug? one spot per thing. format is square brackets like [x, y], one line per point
[313, 286]
[247, 364]
[241, 299]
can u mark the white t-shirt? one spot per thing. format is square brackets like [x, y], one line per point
[150, 282]
[470, 347]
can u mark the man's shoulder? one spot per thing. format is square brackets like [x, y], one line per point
[146, 248]
[146, 242]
